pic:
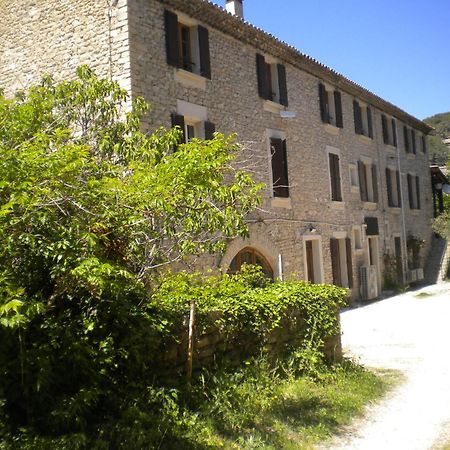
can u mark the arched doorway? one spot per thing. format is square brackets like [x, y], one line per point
[249, 255]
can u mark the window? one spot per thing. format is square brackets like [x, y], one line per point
[278, 154]
[393, 188]
[413, 191]
[193, 128]
[335, 177]
[363, 119]
[389, 131]
[357, 238]
[249, 255]
[368, 184]
[423, 141]
[187, 45]
[354, 183]
[330, 106]
[409, 136]
[341, 262]
[271, 80]
[312, 248]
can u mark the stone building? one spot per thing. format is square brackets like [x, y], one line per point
[347, 172]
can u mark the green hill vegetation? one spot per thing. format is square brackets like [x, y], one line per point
[438, 151]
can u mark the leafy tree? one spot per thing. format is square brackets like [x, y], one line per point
[439, 153]
[91, 207]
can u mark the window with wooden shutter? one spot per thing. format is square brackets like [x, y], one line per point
[374, 184]
[424, 144]
[203, 45]
[178, 120]
[406, 138]
[369, 123]
[279, 168]
[389, 187]
[410, 191]
[384, 125]
[417, 192]
[338, 109]
[362, 181]
[335, 177]
[399, 193]
[357, 117]
[172, 38]
[348, 247]
[282, 85]
[210, 128]
[310, 262]
[413, 141]
[394, 133]
[335, 262]
[323, 102]
[261, 70]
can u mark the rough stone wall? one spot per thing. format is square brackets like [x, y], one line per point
[56, 36]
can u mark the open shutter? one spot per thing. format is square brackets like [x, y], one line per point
[335, 176]
[261, 70]
[335, 262]
[282, 85]
[369, 122]
[210, 128]
[406, 138]
[418, 192]
[338, 109]
[410, 191]
[362, 181]
[203, 45]
[348, 247]
[323, 101]
[358, 118]
[394, 133]
[399, 193]
[384, 125]
[424, 144]
[375, 183]
[279, 168]
[310, 262]
[172, 38]
[178, 120]
[413, 141]
[389, 187]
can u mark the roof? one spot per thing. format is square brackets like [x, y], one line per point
[439, 174]
[217, 17]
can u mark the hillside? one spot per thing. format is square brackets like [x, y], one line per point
[438, 152]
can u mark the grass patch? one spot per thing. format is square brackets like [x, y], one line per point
[423, 295]
[260, 407]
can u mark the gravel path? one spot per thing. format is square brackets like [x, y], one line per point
[409, 332]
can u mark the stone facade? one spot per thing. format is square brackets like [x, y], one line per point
[127, 41]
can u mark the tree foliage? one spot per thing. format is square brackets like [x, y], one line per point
[439, 153]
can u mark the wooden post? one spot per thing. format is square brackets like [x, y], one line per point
[191, 341]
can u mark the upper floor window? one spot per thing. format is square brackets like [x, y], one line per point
[368, 184]
[271, 80]
[330, 106]
[335, 177]
[363, 119]
[423, 141]
[389, 131]
[280, 180]
[413, 191]
[409, 136]
[393, 188]
[187, 45]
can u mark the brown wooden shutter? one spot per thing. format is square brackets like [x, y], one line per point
[338, 109]
[178, 120]
[410, 191]
[399, 193]
[389, 187]
[413, 141]
[375, 183]
[210, 128]
[418, 192]
[362, 181]
[335, 262]
[348, 247]
[394, 133]
[358, 118]
[323, 102]
[279, 168]
[172, 38]
[424, 144]
[369, 122]
[203, 45]
[406, 138]
[310, 262]
[261, 70]
[384, 126]
[282, 84]
[335, 177]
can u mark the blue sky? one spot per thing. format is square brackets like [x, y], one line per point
[398, 49]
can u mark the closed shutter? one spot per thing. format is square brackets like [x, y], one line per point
[424, 144]
[335, 177]
[399, 192]
[261, 70]
[338, 109]
[210, 128]
[323, 101]
[389, 187]
[282, 85]
[369, 122]
[203, 45]
[384, 125]
[310, 262]
[178, 120]
[394, 133]
[375, 183]
[348, 247]
[279, 168]
[406, 138]
[362, 181]
[172, 38]
[410, 191]
[413, 141]
[335, 262]
[358, 118]
[418, 192]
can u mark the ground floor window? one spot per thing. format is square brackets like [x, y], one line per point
[249, 255]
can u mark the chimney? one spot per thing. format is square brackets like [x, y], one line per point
[235, 7]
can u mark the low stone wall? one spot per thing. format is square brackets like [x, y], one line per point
[216, 344]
